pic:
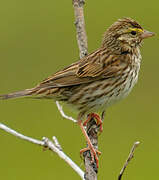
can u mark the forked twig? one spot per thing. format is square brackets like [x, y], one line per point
[54, 146]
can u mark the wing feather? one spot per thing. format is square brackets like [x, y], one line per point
[95, 66]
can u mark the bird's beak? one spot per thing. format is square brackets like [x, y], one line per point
[147, 34]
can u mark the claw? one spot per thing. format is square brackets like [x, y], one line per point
[97, 117]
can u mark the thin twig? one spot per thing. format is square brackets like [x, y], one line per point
[21, 136]
[63, 114]
[53, 146]
[131, 155]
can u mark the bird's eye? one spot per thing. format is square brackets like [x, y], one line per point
[133, 33]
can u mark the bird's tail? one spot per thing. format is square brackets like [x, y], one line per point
[24, 93]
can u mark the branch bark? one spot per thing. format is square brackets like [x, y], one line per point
[80, 27]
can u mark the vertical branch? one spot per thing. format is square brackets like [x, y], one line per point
[91, 169]
[92, 129]
[80, 27]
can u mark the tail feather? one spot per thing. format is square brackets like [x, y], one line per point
[26, 92]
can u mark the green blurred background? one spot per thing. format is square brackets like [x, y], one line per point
[37, 38]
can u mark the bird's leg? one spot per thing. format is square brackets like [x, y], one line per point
[90, 146]
[97, 117]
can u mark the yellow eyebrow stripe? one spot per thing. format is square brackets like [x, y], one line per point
[136, 29]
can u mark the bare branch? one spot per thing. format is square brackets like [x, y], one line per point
[63, 114]
[46, 143]
[80, 27]
[131, 155]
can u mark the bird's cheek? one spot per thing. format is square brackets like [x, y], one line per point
[121, 38]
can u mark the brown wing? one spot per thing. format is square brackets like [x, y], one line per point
[97, 65]
[66, 77]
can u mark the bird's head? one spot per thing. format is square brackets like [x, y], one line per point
[125, 34]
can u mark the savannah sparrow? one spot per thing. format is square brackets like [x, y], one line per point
[101, 78]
